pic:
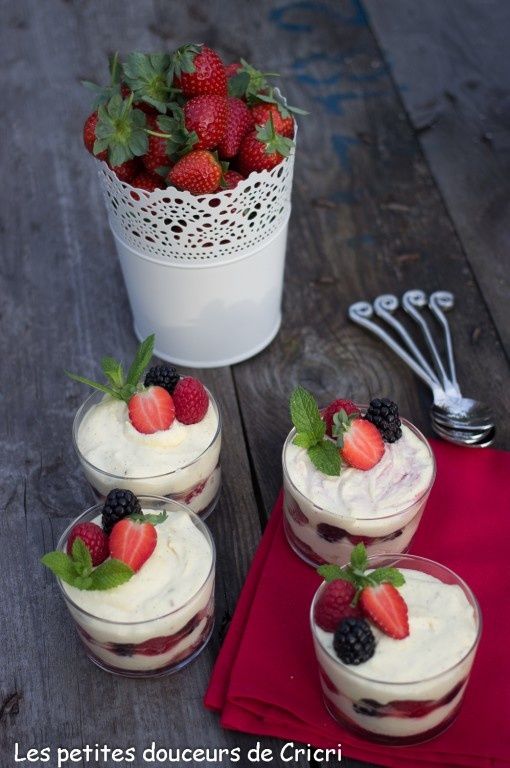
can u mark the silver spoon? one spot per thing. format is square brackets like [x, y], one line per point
[460, 420]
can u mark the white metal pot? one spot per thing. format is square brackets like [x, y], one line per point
[205, 274]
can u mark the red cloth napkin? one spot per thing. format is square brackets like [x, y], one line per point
[265, 680]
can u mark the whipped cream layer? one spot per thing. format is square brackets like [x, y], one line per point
[400, 478]
[108, 440]
[166, 582]
[442, 629]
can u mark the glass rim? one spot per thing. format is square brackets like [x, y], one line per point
[202, 527]
[400, 511]
[418, 559]
[137, 478]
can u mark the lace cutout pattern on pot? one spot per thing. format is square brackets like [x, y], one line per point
[168, 224]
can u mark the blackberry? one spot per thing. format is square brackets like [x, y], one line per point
[162, 376]
[354, 641]
[119, 503]
[330, 533]
[384, 415]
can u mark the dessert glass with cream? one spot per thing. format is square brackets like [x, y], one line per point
[181, 462]
[411, 689]
[325, 516]
[162, 618]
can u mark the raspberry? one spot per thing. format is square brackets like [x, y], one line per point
[337, 405]
[119, 503]
[191, 401]
[94, 539]
[335, 604]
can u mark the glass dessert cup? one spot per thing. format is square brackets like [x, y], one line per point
[148, 648]
[398, 713]
[320, 535]
[196, 484]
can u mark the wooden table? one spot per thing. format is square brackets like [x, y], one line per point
[402, 180]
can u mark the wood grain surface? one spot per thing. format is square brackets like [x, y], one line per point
[369, 217]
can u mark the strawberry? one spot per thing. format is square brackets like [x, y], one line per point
[148, 181]
[151, 410]
[120, 130]
[126, 171]
[191, 400]
[386, 607]
[335, 604]
[231, 180]
[335, 407]
[239, 122]
[262, 149]
[207, 117]
[199, 172]
[361, 444]
[133, 542]
[89, 136]
[157, 151]
[376, 591]
[145, 75]
[94, 539]
[282, 120]
[198, 70]
[232, 69]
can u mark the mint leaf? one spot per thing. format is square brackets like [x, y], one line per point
[325, 457]
[112, 369]
[94, 384]
[305, 414]
[61, 565]
[81, 558]
[387, 576]
[109, 574]
[155, 519]
[304, 440]
[359, 558]
[141, 361]
[331, 572]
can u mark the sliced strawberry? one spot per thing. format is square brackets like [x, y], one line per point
[334, 407]
[151, 410]
[132, 542]
[363, 446]
[386, 607]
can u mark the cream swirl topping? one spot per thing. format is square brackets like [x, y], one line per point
[108, 440]
[172, 575]
[400, 478]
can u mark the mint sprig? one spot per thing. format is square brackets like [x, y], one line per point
[155, 519]
[355, 573]
[311, 431]
[119, 386]
[77, 569]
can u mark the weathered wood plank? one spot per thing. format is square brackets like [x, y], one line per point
[455, 83]
[63, 304]
[367, 219]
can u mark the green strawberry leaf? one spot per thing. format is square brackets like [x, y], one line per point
[155, 519]
[325, 457]
[110, 574]
[141, 361]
